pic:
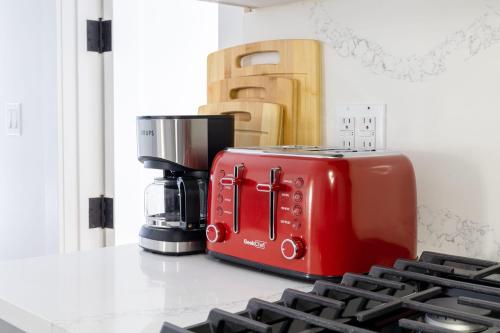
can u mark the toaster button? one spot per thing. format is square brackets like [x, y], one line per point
[299, 182]
[297, 196]
[297, 210]
[292, 248]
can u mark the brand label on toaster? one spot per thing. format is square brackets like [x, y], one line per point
[255, 243]
[147, 132]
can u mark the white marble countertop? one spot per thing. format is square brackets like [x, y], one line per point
[124, 289]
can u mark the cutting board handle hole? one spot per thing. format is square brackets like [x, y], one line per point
[259, 58]
[248, 93]
[239, 115]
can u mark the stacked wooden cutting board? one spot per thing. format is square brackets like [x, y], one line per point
[275, 102]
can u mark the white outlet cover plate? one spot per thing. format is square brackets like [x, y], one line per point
[362, 110]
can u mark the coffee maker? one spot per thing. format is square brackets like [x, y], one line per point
[175, 204]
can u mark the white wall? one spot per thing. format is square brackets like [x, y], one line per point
[436, 64]
[28, 163]
[160, 50]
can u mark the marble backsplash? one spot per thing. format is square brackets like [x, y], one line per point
[442, 230]
[476, 36]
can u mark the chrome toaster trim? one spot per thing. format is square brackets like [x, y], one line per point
[310, 151]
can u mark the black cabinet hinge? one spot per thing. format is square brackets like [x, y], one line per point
[101, 212]
[98, 36]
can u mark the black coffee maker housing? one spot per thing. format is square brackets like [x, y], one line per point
[176, 204]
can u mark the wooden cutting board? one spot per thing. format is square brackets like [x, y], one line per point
[299, 60]
[256, 123]
[263, 89]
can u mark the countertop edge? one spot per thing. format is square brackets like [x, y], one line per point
[25, 320]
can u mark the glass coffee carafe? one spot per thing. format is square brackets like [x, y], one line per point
[176, 202]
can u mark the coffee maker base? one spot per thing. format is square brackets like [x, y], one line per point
[172, 241]
[171, 248]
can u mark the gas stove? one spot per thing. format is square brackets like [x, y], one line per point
[437, 293]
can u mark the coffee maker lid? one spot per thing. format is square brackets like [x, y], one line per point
[185, 142]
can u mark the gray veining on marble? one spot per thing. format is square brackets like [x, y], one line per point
[443, 230]
[480, 34]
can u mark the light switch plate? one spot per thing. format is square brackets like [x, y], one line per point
[13, 119]
[369, 126]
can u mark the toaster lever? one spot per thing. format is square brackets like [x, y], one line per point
[229, 181]
[235, 182]
[272, 188]
[267, 188]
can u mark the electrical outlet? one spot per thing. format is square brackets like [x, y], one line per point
[367, 131]
[346, 131]
[347, 142]
[347, 123]
[367, 123]
[366, 143]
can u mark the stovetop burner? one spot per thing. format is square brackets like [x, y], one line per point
[436, 294]
[451, 323]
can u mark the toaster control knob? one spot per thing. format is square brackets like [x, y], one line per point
[292, 248]
[215, 233]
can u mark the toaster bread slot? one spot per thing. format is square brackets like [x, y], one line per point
[272, 188]
[235, 183]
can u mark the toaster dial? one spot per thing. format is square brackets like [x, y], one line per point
[292, 248]
[215, 233]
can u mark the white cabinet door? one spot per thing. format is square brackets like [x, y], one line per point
[81, 125]
[109, 180]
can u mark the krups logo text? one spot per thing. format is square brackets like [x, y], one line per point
[148, 132]
[255, 243]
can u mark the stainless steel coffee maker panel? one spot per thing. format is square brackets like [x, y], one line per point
[181, 140]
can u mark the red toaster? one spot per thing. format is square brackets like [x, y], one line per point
[311, 212]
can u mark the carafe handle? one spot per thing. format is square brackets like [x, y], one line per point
[189, 203]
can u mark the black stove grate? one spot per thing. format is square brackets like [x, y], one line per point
[436, 294]
[455, 267]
